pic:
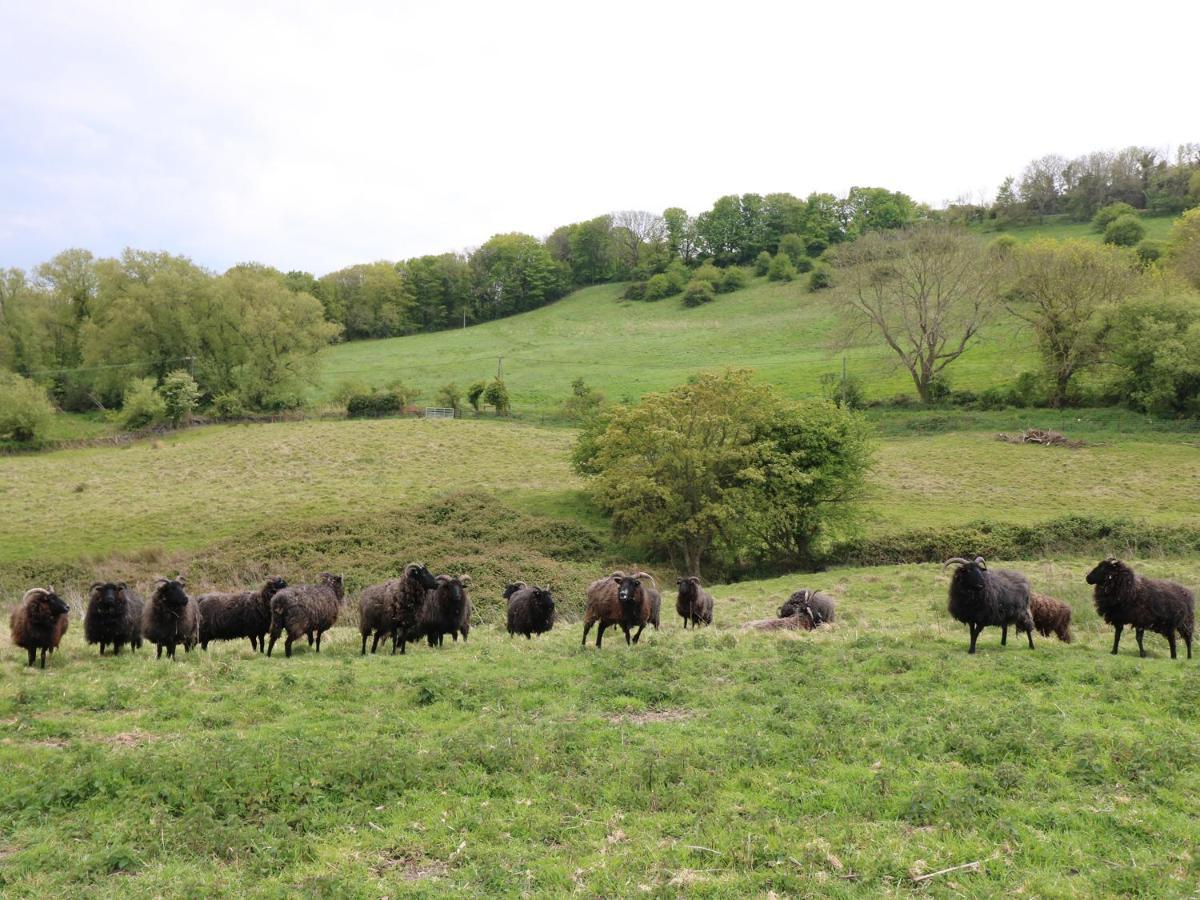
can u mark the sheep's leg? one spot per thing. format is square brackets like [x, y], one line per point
[1187, 640]
[274, 638]
[1029, 634]
[159, 654]
[625, 628]
[599, 633]
[117, 649]
[639, 633]
[32, 655]
[44, 655]
[102, 648]
[1141, 649]
[587, 626]
[975, 632]
[1117, 637]
[1170, 640]
[319, 633]
[1003, 635]
[287, 646]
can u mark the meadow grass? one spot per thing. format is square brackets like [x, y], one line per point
[1063, 227]
[845, 762]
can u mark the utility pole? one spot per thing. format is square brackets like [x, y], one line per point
[843, 381]
[499, 368]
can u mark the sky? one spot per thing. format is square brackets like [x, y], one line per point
[317, 135]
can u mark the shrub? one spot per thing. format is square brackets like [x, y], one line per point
[347, 388]
[1106, 215]
[698, 293]
[496, 396]
[781, 268]
[408, 396]
[1003, 246]
[180, 395]
[734, 279]
[25, 410]
[635, 291]
[803, 264]
[380, 403]
[762, 263]
[794, 247]
[816, 245]
[475, 393]
[1125, 231]
[229, 406]
[450, 396]
[845, 392]
[679, 275]
[1154, 346]
[1150, 251]
[660, 286]
[820, 278]
[584, 402]
[707, 272]
[143, 406]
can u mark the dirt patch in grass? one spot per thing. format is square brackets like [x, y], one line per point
[409, 865]
[656, 715]
[128, 740]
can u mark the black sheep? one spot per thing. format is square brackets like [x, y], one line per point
[114, 616]
[815, 607]
[242, 614]
[444, 609]
[393, 608]
[693, 602]
[39, 622]
[530, 609]
[171, 618]
[1123, 597]
[306, 609]
[980, 597]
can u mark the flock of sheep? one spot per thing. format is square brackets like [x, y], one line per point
[419, 604]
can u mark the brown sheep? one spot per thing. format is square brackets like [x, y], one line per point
[171, 617]
[392, 608]
[306, 609]
[39, 622]
[620, 600]
[1050, 616]
[693, 603]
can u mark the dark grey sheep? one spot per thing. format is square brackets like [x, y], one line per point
[530, 609]
[814, 606]
[393, 608]
[242, 614]
[114, 616]
[620, 600]
[1123, 597]
[980, 597]
[693, 602]
[306, 609]
[39, 622]
[171, 617]
[444, 609]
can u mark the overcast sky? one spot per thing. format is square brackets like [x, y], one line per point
[313, 136]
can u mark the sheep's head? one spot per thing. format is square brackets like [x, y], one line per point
[511, 589]
[420, 573]
[273, 586]
[334, 583]
[452, 587]
[543, 602]
[1107, 570]
[171, 591]
[49, 599]
[104, 594]
[689, 587]
[970, 574]
[629, 588]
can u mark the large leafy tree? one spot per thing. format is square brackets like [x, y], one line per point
[723, 468]
[513, 273]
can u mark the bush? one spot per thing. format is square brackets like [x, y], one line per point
[635, 291]
[475, 394]
[660, 286]
[583, 403]
[450, 396]
[816, 245]
[1125, 231]
[347, 388]
[143, 406]
[181, 396]
[781, 268]
[793, 246]
[762, 263]
[847, 393]
[707, 272]
[228, 406]
[25, 410]
[1003, 246]
[1150, 251]
[820, 278]
[698, 293]
[496, 396]
[380, 403]
[734, 279]
[1154, 347]
[1106, 215]
[678, 275]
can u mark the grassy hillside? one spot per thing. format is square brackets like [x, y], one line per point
[722, 763]
[628, 348]
[1061, 227]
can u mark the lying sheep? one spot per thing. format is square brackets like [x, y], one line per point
[1123, 597]
[243, 614]
[39, 622]
[306, 609]
[114, 616]
[693, 603]
[814, 606]
[1050, 616]
[620, 600]
[394, 607]
[171, 617]
[530, 609]
[980, 597]
[446, 610]
[794, 622]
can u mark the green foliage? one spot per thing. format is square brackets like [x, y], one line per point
[25, 410]
[733, 279]
[635, 291]
[514, 273]
[584, 402]
[1150, 251]
[450, 396]
[1004, 246]
[1184, 255]
[496, 396]
[374, 405]
[660, 286]
[180, 395]
[475, 393]
[228, 406]
[1109, 214]
[143, 405]
[846, 392]
[781, 268]
[347, 388]
[762, 263]
[1124, 231]
[794, 247]
[698, 293]
[1154, 348]
[820, 278]
[721, 466]
[707, 272]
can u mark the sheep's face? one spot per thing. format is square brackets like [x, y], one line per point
[543, 603]
[423, 577]
[274, 585]
[335, 583]
[511, 589]
[1106, 570]
[173, 594]
[57, 605]
[688, 588]
[972, 577]
[105, 597]
[629, 591]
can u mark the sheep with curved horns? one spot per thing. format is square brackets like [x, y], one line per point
[393, 608]
[446, 610]
[1123, 597]
[693, 603]
[620, 600]
[39, 622]
[171, 617]
[980, 597]
[814, 607]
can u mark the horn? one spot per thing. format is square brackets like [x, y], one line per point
[647, 575]
[956, 559]
[96, 584]
[617, 573]
[979, 562]
[160, 581]
[29, 593]
[464, 580]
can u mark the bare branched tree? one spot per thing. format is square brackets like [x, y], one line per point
[927, 291]
[635, 230]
